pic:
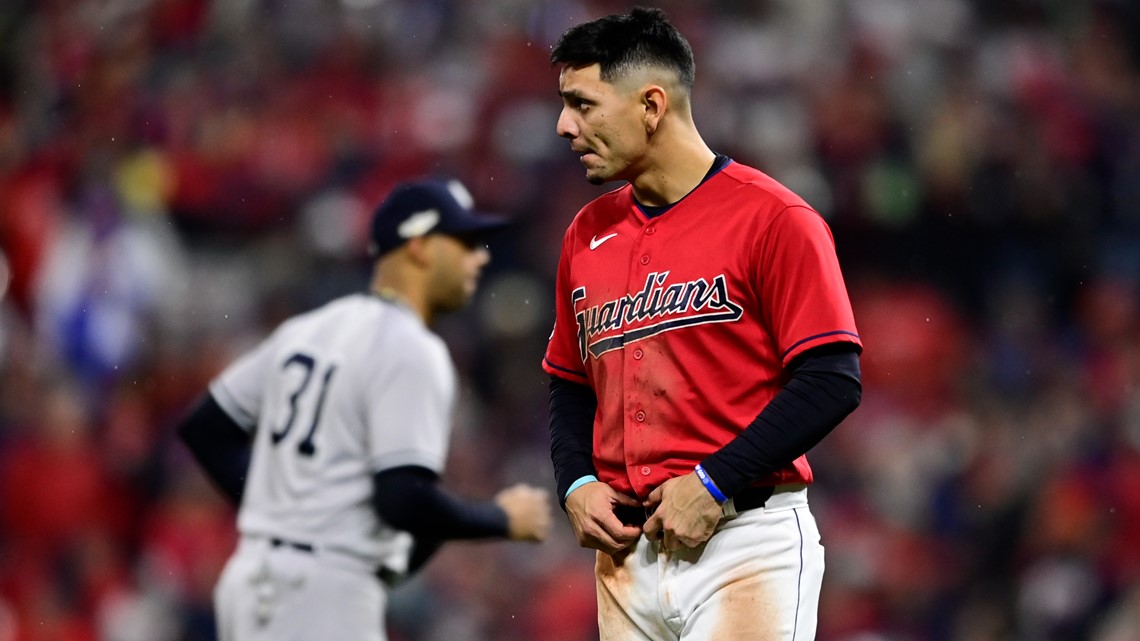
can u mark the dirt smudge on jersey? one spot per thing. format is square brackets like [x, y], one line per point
[657, 378]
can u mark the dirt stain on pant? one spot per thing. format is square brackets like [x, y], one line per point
[745, 611]
[614, 582]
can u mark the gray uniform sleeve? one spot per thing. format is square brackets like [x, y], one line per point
[240, 389]
[409, 406]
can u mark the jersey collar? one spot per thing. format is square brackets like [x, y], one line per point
[720, 162]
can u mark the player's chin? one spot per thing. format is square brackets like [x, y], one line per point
[600, 172]
[462, 297]
[453, 303]
[598, 176]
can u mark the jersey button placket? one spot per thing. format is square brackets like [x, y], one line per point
[640, 253]
[648, 231]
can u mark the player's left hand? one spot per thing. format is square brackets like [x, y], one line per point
[685, 513]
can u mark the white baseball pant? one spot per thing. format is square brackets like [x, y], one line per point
[757, 578]
[280, 593]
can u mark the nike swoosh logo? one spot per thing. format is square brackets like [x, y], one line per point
[596, 242]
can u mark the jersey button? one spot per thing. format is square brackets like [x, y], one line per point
[637, 354]
[645, 260]
[645, 471]
[640, 416]
[649, 231]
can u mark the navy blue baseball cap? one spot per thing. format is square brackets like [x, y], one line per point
[430, 206]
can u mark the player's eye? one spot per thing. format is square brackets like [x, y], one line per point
[576, 103]
[470, 243]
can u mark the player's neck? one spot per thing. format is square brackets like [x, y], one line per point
[676, 166]
[400, 298]
[396, 286]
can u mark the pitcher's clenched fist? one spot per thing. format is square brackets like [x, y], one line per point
[528, 512]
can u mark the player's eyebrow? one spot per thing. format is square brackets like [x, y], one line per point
[573, 94]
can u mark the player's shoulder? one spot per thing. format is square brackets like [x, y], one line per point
[401, 332]
[362, 315]
[757, 185]
[349, 306]
[372, 331]
[604, 210]
[382, 315]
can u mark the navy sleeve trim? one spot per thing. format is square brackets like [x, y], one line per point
[818, 336]
[581, 375]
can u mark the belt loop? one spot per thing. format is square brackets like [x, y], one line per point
[728, 508]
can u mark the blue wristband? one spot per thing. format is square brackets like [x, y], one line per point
[589, 478]
[707, 481]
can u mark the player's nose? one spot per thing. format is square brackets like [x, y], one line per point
[566, 127]
[480, 255]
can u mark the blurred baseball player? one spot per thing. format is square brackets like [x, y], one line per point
[703, 343]
[332, 434]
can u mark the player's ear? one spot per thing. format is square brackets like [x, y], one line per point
[418, 250]
[655, 101]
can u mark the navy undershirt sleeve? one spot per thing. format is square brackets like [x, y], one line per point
[572, 409]
[410, 499]
[825, 386]
[219, 445]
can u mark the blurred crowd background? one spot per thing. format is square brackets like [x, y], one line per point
[177, 176]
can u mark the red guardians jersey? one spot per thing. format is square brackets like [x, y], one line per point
[683, 322]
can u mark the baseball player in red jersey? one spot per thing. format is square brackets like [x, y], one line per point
[703, 343]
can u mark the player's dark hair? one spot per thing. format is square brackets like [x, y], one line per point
[621, 43]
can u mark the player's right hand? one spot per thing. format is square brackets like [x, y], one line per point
[591, 512]
[528, 512]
